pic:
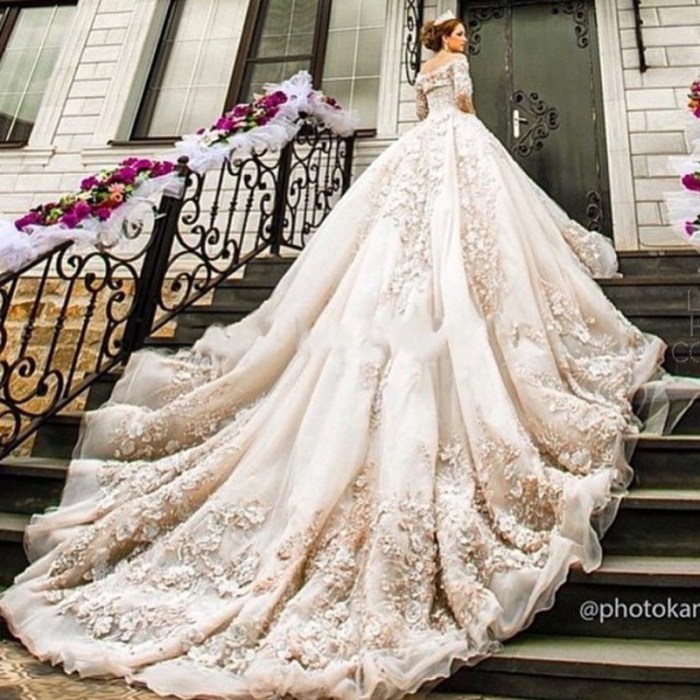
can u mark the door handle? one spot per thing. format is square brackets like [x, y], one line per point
[517, 121]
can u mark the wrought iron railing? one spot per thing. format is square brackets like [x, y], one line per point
[413, 20]
[68, 318]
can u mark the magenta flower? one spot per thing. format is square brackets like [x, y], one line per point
[162, 167]
[691, 182]
[89, 182]
[240, 110]
[102, 213]
[31, 218]
[126, 175]
[224, 124]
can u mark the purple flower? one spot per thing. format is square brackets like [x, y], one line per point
[31, 218]
[224, 124]
[102, 213]
[691, 182]
[89, 182]
[81, 209]
[240, 110]
[127, 175]
[201, 131]
[162, 167]
[69, 219]
[142, 164]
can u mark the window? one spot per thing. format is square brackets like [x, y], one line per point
[31, 38]
[192, 68]
[354, 56]
[212, 54]
[286, 36]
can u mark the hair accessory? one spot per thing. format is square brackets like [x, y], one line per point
[444, 17]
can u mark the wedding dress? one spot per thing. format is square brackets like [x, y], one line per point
[383, 472]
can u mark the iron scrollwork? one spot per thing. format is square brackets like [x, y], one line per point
[413, 20]
[68, 318]
[543, 119]
[477, 17]
[594, 211]
[579, 10]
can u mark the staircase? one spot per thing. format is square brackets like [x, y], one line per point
[650, 550]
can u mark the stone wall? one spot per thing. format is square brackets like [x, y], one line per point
[656, 102]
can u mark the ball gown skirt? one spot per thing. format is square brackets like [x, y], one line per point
[383, 472]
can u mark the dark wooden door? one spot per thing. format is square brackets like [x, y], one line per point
[537, 87]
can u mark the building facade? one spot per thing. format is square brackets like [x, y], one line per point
[84, 83]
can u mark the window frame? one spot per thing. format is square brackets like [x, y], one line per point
[251, 36]
[7, 26]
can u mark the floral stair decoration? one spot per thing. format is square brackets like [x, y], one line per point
[98, 213]
[684, 206]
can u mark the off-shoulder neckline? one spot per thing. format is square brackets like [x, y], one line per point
[437, 70]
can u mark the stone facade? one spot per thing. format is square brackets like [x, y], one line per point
[656, 101]
[100, 73]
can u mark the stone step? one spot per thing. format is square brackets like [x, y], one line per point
[635, 597]
[12, 553]
[656, 523]
[58, 435]
[30, 485]
[242, 290]
[267, 269]
[653, 293]
[674, 261]
[545, 667]
[217, 314]
[101, 389]
[667, 462]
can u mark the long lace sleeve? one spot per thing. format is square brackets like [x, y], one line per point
[463, 84]
[421, 103]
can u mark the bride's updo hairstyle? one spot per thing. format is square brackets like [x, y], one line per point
[431, 34]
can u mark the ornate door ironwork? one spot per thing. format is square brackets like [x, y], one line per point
[540, 121]
[538, 88]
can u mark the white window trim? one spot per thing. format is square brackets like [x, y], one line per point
[135, 58]
[54, 101]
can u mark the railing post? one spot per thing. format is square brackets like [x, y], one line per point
[155, 264]
[347, 165]
[280, 210]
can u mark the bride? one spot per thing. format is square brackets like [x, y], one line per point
[385, 470]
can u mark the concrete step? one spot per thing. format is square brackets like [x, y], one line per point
[583, 668]
[11, 550]
[242, 290]
[674, 261]
[58, 435]
[30, 485]
[656, 523]
[631, 597]
[220, 314]
[667, 462]
[269, 270]
[653, 293]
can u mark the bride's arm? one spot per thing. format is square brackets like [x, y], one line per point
[463, 84]
[421, 103]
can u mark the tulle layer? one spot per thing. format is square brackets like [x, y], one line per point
[383, 472]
